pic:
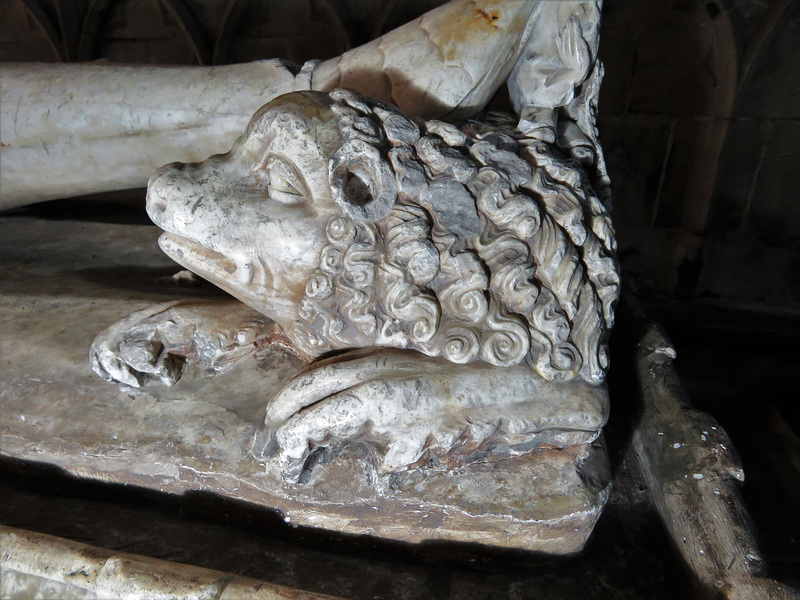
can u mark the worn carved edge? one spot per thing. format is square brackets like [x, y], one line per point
[111, 574]
[693, 474]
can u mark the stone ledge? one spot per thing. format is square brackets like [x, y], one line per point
[107, 574]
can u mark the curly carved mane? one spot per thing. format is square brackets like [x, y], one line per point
[495, 249]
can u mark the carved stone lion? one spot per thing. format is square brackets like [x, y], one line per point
[462, 281]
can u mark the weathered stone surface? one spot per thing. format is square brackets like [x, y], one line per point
[451, 289]
[196, 435]
[33, 565]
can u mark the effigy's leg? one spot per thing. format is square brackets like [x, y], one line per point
[94, 128]
[69, 130]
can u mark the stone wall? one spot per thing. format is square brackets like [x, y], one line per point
[699, 112]
[699, 118]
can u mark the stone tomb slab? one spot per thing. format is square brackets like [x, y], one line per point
[64, 281]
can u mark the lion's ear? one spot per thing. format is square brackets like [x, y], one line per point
[362, 182]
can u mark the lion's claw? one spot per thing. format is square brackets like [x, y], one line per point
[108, 366]
[132, 352]
[155, 344]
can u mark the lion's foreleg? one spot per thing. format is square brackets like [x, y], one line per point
[156, 343]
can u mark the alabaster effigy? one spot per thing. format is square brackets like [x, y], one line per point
[416, 344]
[451, 289]
[475, 266]
[424, 295]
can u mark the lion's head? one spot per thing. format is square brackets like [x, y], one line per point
[353, 225]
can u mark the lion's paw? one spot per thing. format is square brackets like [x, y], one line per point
[416, 411]
[155, 344]
[132, 351]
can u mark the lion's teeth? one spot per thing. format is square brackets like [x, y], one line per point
[244, 272]
[262, 279]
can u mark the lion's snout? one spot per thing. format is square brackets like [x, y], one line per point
[173, 193]
[161, 185]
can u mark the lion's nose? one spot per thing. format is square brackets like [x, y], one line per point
[155, 203]
[161, 180]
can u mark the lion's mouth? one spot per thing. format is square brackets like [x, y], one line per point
[221, 270]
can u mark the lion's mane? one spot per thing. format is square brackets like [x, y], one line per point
[496, 249]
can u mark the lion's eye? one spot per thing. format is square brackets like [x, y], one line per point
[278, 183]
[284, 183]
